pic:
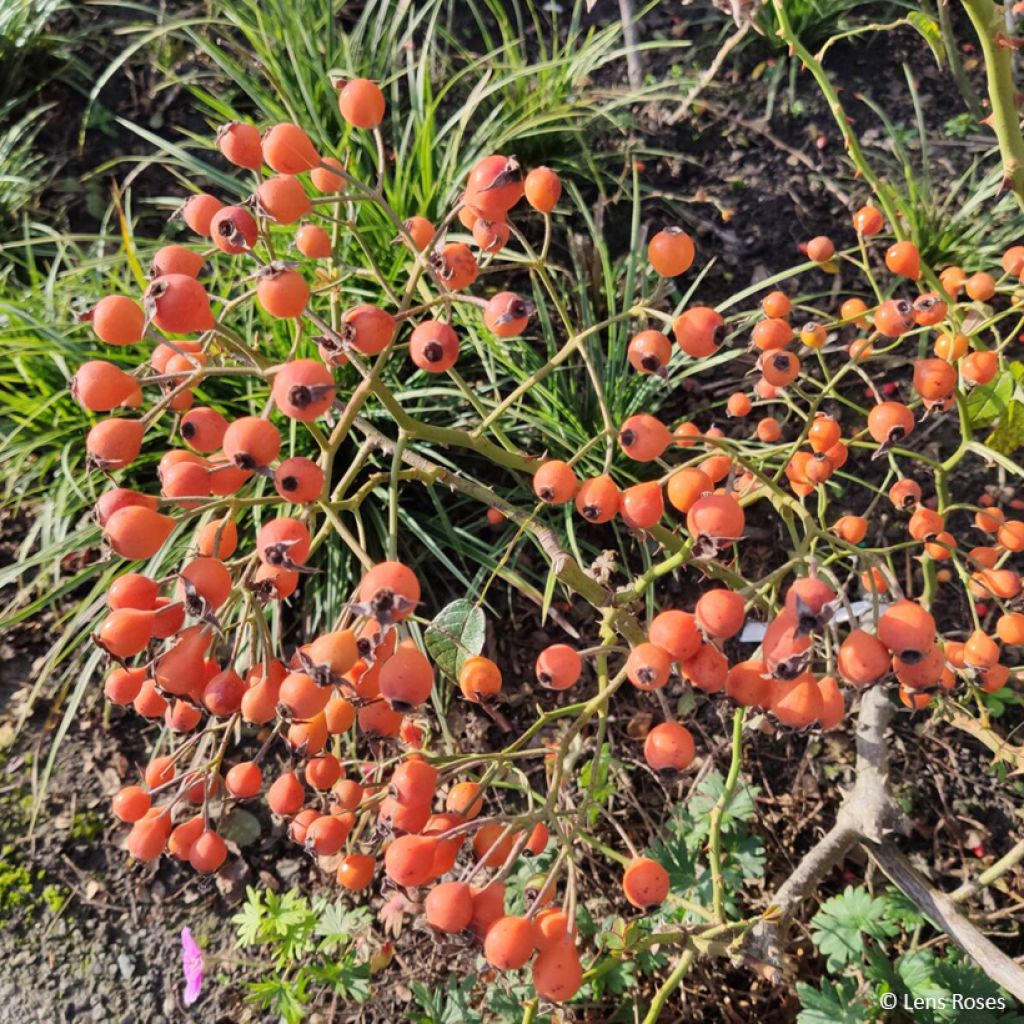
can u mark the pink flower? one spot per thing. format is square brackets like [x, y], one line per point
[192, 966]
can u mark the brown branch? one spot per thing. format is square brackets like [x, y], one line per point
[814, 865]
[868, 815]
[867, 810]
[944, 914]
[1001, 748]
[631, 38]
[870, 807]
[706, 78]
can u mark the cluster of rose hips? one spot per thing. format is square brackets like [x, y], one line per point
[710, 494]
[166, 633]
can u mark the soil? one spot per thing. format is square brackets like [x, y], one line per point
[112, 953]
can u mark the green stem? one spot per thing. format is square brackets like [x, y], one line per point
[956, 65]
[393, 489]
[992, 874]
[987, 19]
[850, 139]
[718, 813]
[669, 986]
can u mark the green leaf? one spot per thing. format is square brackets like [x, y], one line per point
[1009, 434]
[505, 1004]
[241, 827]
[450, 1005]
[599, 773]
[879, 969]
[281, 996]
[673, 854]
[902, 910]
[680, 847]
[998, 701]
[748, 854]
[457, 632]
[347, 977]
[249, 920]
[286, 926]
[338, 924]
[969, 982]
[916, 973]
[549, 593]
[618, 980]
[929, 29]
[987, 402]
[831, 1004]
[839, 926]
[739, 809]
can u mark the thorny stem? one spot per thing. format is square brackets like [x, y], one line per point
[987, 19]
[850, 139]
[956, 65]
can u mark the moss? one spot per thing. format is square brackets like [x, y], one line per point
[22, 890]
[17, 884]
[87, 825]
[54, 897]
[16, 808]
